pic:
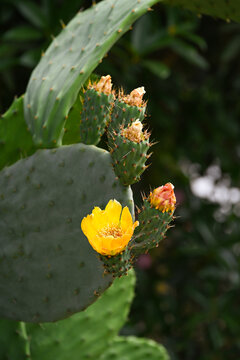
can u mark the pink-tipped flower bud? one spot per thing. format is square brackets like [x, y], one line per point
[163, 198]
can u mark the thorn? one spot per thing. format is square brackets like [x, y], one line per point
[62, 24]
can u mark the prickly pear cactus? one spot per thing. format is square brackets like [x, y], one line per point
[44, 198]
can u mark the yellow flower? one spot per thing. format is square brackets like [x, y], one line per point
[163, 198]
[110, 230]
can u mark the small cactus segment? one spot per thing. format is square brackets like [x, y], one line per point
[117, 265]
[68, 62]
[129, 152]
[15, 139]
[43, 199]
[154, 219]
[14, 343]
[87, 334]
[132, 348]
[97, 103]
[225, 9]
[126, 110]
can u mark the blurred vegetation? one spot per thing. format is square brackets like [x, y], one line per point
[188, 289]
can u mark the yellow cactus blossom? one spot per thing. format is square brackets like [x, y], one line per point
[110, 230]
[163, 198]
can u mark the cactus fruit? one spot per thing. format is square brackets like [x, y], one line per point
[132, 348]
[68, 62]
[225, 9]
[129, 152]
[42, 248]
[97, 103]
[15, 139]
[154, 218]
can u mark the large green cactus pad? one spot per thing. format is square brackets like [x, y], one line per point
[82, 336]
[132, 348]
[87, 334]
[68, 62]
[48, 270]
[15, 138]
[225, 9]
[14, 343]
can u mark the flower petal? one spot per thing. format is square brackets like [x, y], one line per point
[126, 219]
[113, 211]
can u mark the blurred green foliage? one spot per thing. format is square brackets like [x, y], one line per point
[188, 289]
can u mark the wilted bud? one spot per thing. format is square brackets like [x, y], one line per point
[134, 132]
[163, 198]
[135, 98]
[104, 85]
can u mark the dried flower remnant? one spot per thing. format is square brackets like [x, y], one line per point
[104, 85]
[135, 98]
[134, 132]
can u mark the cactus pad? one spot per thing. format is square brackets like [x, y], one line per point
[132, 348]
[14, 344]
[84, 335]
[15, 139]
[70, 59]
[48, 270]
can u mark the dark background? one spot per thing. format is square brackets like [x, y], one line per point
[188, 293]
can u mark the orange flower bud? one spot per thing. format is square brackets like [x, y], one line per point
[163, 198]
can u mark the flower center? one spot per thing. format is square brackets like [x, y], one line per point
[111, 230]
